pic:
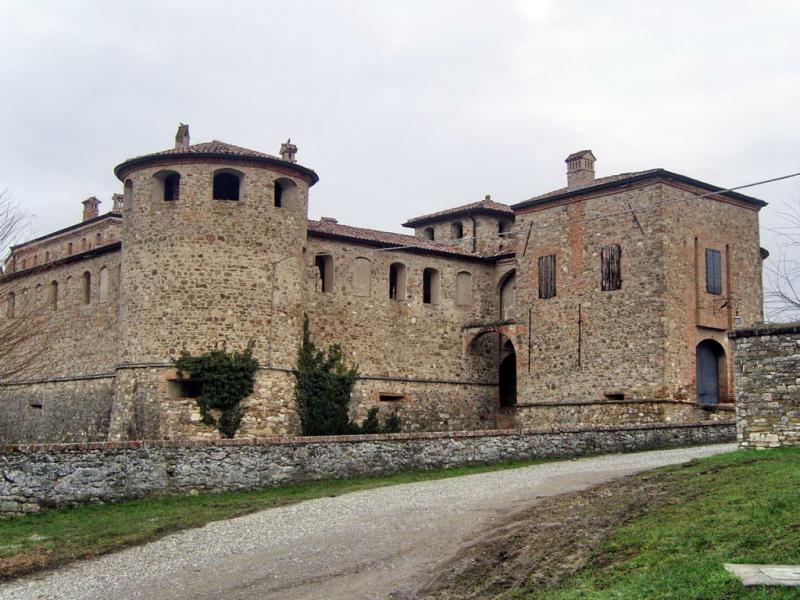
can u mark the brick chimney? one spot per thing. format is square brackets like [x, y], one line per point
[182, 137]
[580, 169]
[118, 200]
[91, 208]
[288, 151]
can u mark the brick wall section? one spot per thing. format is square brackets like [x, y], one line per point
[767, 363]
[51, 476]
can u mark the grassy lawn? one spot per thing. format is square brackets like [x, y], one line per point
[49, 539]
[742, 507]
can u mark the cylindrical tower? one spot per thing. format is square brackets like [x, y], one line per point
[212, 255]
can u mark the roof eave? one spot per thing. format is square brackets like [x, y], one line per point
[472, 211]
[41, 238]
[94, 252]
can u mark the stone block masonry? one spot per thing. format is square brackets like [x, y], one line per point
[767, 378]
[37, 477]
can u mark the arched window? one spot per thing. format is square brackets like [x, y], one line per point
[227, 184]
[464, 289]
[69, 248]
[54, 296]
[86, 292]
[427, 233]
[166, 186]
[285, 193]
[127, 195]
[11, 309]
[504, 228]
[103, 284]
[362, 276]
[430, 286]
[456, 230]
[507, 296]
[324, 265]
[397, 281]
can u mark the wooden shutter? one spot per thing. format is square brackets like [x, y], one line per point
[713, 271]
[611, 267]
[547, 276]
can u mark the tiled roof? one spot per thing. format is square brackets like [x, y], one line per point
[328, 227]
[485, 205]
[597, 182]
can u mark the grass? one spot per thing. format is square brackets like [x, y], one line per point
[32, 542]
[742, 507]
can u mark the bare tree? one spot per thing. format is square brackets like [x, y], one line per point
[782, 271]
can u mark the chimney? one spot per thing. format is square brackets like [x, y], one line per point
[182, 137]
[580, 169]
[118, 200]
[288, 151]
[90, 208]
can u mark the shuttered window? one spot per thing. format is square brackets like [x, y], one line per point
[547, 276]
[713, 271]
[611, 267]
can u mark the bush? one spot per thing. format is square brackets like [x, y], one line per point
[227, 378]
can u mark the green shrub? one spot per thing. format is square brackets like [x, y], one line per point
[227, 378]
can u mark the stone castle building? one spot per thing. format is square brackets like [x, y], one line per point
[605, 302]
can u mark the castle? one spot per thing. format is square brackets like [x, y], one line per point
[605, 302]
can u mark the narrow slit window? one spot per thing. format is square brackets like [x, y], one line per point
[87, 288]
[324, 266]
[430, 286]
[54, 296]
[713, 271]
[547, 276]
[397, 281]
[611, 267]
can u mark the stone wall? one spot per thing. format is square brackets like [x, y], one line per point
[39, 477]
[767, 363]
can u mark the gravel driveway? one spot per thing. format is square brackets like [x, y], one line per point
[372, 544]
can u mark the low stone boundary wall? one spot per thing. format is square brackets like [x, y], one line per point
[35, 477]
[767, 381]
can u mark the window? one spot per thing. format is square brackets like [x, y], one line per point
[508, 291]
[397, 281]
[104, 284]
[54, 296]
[35, 259]
[285, 193]
[464, 289]
[390, 397]
[611, 276]
[226, 185]
[69, 248]
[324, 265]
[47, 256]
[83, 244]
[427, 233]
[547, 276]
[172, 187]
[184, 388]
[87, 288]
[11, 309]
[456, 230]
[127, 196]
[24, 263]
[713, 271]
[430, 286]
[362, 276]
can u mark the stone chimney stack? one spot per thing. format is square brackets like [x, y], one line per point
[580, 169]
[182, 137]
[117, 199]
[288, 151]
[91, 208]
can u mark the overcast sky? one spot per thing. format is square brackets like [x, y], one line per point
[402, 107]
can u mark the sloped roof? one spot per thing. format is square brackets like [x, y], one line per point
[579, 154]
[626, 178]
[485, 206]
[387, 239]
[213, 149]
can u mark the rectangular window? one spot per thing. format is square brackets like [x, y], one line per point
[611, 267]
[389, 397]
[547, 276]
[713, 271]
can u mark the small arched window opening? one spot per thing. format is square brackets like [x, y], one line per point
[86, 291]
[711, 373]
[430, 286]
[324, 265]
[362, 276]
[127, 194]
[54, 296]
[227, 185]
[456, 230]
[11, 309]
[504, 228]
[397, 281]
[508, 288]
[285, 193]
[103, 280]
[166, 186]
[464, 289]
[428, 233]
[69, 248]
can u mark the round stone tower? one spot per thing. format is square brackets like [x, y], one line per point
[212, 255]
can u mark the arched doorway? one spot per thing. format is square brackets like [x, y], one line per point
[507, 376]
[710, 372]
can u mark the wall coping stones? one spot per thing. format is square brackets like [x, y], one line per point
[766, 329]
[345, 439]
